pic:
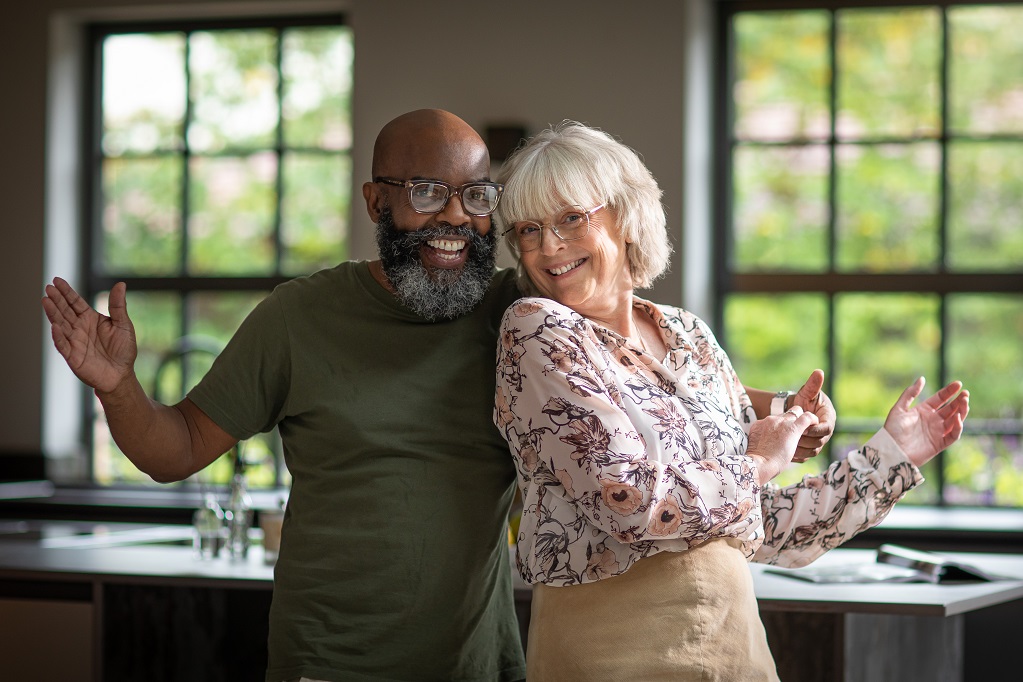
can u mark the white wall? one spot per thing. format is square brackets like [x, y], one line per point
[617, 65]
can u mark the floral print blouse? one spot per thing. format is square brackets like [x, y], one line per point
[620, 456]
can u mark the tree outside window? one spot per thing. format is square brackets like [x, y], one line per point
[221, 159]
[870, 221]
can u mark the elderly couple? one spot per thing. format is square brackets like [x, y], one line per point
[643, 463]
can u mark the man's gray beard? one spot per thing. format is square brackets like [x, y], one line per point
[437, 293]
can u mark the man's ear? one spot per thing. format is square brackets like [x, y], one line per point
[374, 200]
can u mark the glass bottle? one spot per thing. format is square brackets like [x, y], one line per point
[208, 528]
[239, 514]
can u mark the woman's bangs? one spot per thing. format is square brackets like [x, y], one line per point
[544, 187]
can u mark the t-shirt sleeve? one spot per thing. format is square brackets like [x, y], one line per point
[246, 390]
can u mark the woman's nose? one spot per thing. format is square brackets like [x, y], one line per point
[550, 243]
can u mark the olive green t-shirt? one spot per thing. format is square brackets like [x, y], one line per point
[394, 556]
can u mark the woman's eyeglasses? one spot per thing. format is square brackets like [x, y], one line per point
[431, 196]
[568, 224]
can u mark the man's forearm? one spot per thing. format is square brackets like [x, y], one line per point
[761, 401]
[153, 436]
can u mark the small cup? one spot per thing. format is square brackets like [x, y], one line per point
[270, 521]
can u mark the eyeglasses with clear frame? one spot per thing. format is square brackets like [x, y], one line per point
[569, 224]
[431, 196]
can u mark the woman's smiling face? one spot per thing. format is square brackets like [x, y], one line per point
[590, 275]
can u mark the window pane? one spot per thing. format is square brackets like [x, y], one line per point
[217, 315]
[985, 470]
[775, 341]
[794, 472]
[984, 222]
[888, 69]
[985, 352]
[781, 211]
[317, 72]
[782, 75]
[883, 342]
[314, 211]
[986, 69]
[157, 320]
[143, 92]
[234, 89]
[214, 317]
[847, 441]
[887, 207]
[232, 202]
[141, 216]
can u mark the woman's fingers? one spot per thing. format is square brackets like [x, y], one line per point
[910, 394]
[944, 395]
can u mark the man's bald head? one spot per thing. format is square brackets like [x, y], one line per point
[438, 264]
[422, 143]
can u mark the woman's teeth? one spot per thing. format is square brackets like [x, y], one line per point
[447, 248]
[565, 268]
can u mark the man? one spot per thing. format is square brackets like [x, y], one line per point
[380, 377]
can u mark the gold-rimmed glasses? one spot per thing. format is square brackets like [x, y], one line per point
[568, 224]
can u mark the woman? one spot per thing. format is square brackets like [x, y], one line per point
[643, 469]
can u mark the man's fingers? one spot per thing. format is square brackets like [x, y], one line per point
[118, 304]
[59, 321]
[812, 388]
[76, 302]
[60, 342]
[817, 430]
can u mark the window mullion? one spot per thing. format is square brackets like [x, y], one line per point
[279, 149]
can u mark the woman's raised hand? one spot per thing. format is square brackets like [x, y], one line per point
[928, 428]
[100, 350]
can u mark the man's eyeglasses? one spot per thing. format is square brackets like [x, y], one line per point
[570, 223]
[431, 196]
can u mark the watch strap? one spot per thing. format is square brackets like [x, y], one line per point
[779, 401]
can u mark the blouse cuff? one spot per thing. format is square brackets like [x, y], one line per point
[891, 454]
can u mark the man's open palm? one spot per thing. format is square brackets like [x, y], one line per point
[100, 350]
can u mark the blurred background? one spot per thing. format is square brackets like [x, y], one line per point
[843, 184]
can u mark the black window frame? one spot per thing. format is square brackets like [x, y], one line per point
[941, 282]
[94, 280]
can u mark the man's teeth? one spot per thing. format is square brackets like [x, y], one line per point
[565, 268]
[447, 248]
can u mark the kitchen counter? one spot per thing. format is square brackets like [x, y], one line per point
[95, 602]
[154, 554]
[142, 584]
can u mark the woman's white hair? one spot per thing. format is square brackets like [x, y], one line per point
[571, 164]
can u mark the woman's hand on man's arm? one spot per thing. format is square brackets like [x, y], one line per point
[809, 398]
[773, 440]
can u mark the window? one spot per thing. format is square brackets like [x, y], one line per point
[869, 219]
[221, 155]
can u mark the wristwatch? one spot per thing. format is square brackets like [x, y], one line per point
[779, 401]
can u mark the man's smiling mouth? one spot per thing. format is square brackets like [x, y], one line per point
[447, 249]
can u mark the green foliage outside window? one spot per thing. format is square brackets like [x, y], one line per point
[865, 202]
[223, 154]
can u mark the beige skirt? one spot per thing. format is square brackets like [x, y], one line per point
[688, 615]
